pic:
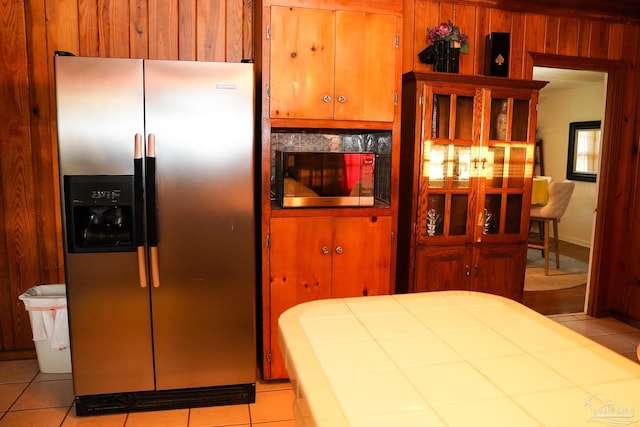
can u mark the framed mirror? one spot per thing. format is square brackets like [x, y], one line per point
[584, 151]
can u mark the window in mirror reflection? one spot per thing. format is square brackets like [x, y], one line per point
[584, 151]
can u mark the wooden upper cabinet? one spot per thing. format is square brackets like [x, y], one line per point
[302, 63]
[322, 69]
[365, 71]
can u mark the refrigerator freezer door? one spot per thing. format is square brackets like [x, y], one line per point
[201, 117]
[100, 109]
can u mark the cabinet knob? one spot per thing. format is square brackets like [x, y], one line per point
[326, 98]
[325, 250]
[467, 270]
[342, 99]
[339, 249]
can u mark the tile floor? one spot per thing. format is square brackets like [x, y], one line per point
[30, 398]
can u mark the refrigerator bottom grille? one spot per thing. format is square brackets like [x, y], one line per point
[166, 399]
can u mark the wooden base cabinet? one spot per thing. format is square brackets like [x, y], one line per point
[467, 165]
[485, 268]
[324, 257]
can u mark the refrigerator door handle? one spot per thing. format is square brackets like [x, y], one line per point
[152, 228]
[139, 216]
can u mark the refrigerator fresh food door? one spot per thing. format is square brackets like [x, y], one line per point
[100, 109]
[200, 117]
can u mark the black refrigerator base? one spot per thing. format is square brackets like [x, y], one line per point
[168, 399]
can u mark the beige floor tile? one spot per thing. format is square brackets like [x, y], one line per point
[110, 420]
[9, 393]
[632, 337]
[273, 406]
[273, 385]
[46, 394]
[170, 418]
[216, 416]
[615, 343]
[584, 327]
[51, 417]
[51, 377]
[288, 423]
[18, 370]
[612, 325]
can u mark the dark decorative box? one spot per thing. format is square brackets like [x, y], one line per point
[496, 61]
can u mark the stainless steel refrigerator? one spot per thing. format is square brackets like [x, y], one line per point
[157, 191]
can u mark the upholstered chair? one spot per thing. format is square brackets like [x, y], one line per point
[559, 196]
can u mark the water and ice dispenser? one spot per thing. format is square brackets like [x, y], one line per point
[100, 213]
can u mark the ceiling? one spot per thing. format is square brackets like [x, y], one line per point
[561, 79]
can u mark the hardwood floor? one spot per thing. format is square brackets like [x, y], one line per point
[562, 301]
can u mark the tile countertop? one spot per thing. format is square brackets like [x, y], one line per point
[451, 358]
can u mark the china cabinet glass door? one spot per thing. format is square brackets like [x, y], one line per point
[448, 172]
[476, 157]
[505, 162]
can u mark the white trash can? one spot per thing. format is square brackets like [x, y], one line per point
[47, 307]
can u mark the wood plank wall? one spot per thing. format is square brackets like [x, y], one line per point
[204, 30]
[607, 45]
[30, 33]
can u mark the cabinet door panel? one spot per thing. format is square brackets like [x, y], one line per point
[361, 256]
[366, 55]
[500, 270]
[302, 63]
[300, 272]
[440, 268]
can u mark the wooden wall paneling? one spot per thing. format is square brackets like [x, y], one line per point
[187, 31]
[211, 26]
[599, 40]
[138, 29]
[113, 26]
[89, 28]
[45, 155]
[552, 31]
[583, 38]
[234, 30]
[481, 30]
[465, 18]
[163, 29]
[534, 41]
[62, 28]
[632, 288]
[615, 41]
[20, 267]
[248, 30]
[499, 21]
[568, 36]
[517, 52]
[408, 42]
[425, 12]
[626, 298]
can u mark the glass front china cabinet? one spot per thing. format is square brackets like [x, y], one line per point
[467, 151]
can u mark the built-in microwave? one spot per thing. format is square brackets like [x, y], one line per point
[324, 178]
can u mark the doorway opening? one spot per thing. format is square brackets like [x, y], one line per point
[596, 292]
[571, 96]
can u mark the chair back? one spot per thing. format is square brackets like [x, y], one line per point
[559, 196]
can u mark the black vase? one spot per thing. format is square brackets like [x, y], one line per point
[447, 57]
[444, 57]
